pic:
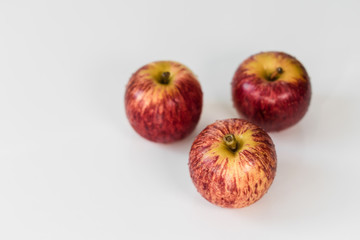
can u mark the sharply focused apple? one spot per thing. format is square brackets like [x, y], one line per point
[272, 90]
[232, 163]
[163, 101]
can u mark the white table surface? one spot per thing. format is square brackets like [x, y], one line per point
[71, 166]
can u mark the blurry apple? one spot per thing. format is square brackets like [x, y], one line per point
[232, 163]
[272, 90]
[163, 101]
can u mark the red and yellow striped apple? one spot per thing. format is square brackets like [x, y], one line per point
[163, 101]
[232, 163]
[272, 90]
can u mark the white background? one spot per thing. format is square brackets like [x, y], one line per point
[71, 166]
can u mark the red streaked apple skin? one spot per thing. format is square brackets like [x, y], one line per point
[232, 179]
[273, 105]
[163, 113]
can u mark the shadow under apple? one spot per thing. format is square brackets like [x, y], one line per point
[299, 193]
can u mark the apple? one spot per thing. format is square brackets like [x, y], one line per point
[272, 90]
[163, 101]
[232, 163]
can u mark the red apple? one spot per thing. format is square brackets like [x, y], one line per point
[232, 163]
[272, 90]
[163, 101]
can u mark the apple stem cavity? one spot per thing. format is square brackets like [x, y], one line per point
[230, 142]
[164, 78]
[275, 75]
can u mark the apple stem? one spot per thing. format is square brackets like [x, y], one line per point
[165, 78]
[276, 74]
[231, 142]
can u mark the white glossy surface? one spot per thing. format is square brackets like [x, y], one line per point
[71, 167]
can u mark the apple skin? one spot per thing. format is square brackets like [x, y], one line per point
[274, 104]
[232, 179]
[163, 112]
